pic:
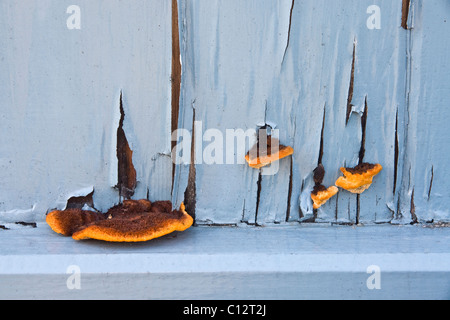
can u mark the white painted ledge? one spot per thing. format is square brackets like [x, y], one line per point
[301, 262]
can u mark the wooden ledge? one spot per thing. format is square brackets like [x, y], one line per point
[301, 262]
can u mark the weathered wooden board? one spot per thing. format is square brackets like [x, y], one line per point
[60, 107]
[332, 77]
[228, 73]
[343, 82]
[334, 59]
[426, 175]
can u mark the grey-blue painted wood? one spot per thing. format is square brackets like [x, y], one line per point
[313, 70]
[60, 108]
[425, 186]
[303, 76]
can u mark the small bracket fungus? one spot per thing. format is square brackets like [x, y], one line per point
[264, 153]
[132, 221]
[320, 194]
[358, 179]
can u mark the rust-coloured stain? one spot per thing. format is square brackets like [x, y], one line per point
[132, 221]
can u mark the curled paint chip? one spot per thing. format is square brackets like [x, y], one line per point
[260, 157]
[321, 195]
[132, 221]
[358, 179]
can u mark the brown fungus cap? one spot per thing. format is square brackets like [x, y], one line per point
[132, 221]
[69, 221]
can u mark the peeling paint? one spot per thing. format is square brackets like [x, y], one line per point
[81, 202]
[18, 214]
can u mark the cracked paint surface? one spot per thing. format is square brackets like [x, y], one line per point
[339, 93]
[59, 110]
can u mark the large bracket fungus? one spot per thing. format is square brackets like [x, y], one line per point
[131, 221]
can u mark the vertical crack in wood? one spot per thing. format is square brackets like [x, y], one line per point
[358, 209]
[289, 198]
[289, 31]
[348, 211]
[319, 162]
[190, 194]
[258, 196]
[362, 153]
[350, 89]
[262, 150]
[126, 172]
[431, 183]
[176, 75]
[405, 13]
[319, 172]
[396, 153]
[243, 213]
[337, 207]
[413, 208]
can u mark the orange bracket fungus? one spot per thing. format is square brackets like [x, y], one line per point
[131, 221]
[320, 194]
[358, 179]
[263, 154]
